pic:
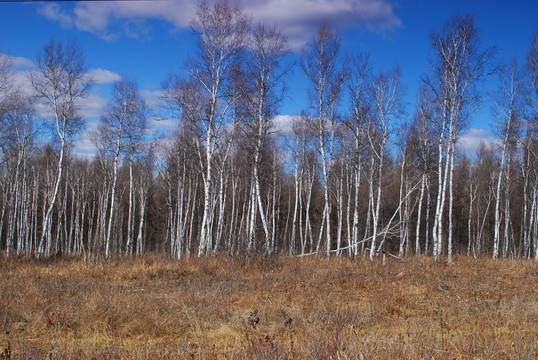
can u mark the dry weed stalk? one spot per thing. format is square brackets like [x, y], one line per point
[268, 308]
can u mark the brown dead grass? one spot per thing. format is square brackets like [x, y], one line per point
[268, 308]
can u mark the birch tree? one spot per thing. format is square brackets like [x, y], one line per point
[386, 96]
[144, 182]
[220, 32]
[304, 167]
[262, 90]
[17, 136]
[123, 120]
[61, 82]
[458, 65]
[423, 155]
[326, 74]
[507, 111]
[6, 75]
[134, 137]
[359, 77]
[532, 101]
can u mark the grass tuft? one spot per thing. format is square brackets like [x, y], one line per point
[267, 308]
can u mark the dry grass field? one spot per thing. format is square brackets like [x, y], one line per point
[268, 308]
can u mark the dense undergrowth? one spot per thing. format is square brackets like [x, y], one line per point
[268, 308]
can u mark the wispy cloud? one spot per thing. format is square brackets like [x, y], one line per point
[283, 124]
[471, 139]
[84, 145]
[102, 76]
[21, 63]
[110, 20]
[298, 19]
[152, 98]
[91, 107]
[55, 12]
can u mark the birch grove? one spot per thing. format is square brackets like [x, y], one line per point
[61, 82]
[326, 74]
[352, 175]
[457, 66]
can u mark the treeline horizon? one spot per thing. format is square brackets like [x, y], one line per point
[356, 176]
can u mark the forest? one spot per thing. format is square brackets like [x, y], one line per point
[356, 176]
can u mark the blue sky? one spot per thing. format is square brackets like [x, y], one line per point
[147, 40]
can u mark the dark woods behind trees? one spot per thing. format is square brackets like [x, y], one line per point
[348, 178]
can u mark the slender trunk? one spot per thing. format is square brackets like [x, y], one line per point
[368, 229]
[450, 202]
[378, 200]
[327, 209]
[496, 235]
[470, 219]
[130, 222]
[441, 196]
[285, 235]
[251, 218]
[4, 206]
[13, 209]
[356, 209]
[507, 208]
[524, 171]
[222, 203]
[233, 216]
[308, 224]
[340, 204]
[179, 225]
[349, 191]
[427, 220]
[400, 211]
[419, 215]
[204, 233]
[295, 209]
[437, 222]
[48, 215]
[274, 218]
[143, 202]
[256, 164]
[113, 201]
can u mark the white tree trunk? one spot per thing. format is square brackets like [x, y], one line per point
[48, 215]
[450, 202]
[113, 201]
[130, 221]
[497, 225]
[378, 199]
[419, 215]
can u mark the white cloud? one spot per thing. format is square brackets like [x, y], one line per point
[283, 124]
[298, 19]
[53, 11]
[152, 98]
[92, 107]
[161, 128]
[17, 75]
[471, 139]
[84, 146]
[102, 76]
[21, 82]
[21, 62]
[99, 17]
